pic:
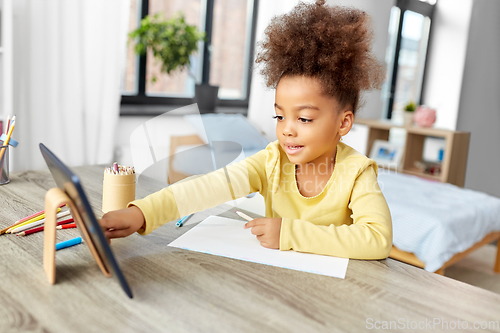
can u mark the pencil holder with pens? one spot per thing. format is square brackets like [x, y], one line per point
[4, 165]
[117, 191]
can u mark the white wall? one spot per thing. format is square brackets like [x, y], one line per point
[480, 99]
[262, 99]
[380, 12]
[446, 60]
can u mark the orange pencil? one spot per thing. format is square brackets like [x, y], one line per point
[67, 226]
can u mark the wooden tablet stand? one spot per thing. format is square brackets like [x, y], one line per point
[54, 198]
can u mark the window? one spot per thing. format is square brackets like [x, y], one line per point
[409, 32]
[224, 60]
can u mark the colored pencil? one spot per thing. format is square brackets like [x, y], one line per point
[36, 218]
[68, 243]
[182, 220]
[66, 226]
[245, 216]
[21, 221]
[65, 221]
[36, 223]
[60, 225]
[33, 219]
[26, 219]
[31, 231]
[13, 120]
[30, 217]
[8, 124]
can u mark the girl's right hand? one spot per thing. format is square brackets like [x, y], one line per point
[122, 223]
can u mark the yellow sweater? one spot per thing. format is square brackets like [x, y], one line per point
[349, 218]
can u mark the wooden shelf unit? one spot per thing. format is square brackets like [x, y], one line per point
[456, 150]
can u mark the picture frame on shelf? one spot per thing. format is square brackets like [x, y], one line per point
[387, 154]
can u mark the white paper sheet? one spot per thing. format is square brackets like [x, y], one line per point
[227, 237]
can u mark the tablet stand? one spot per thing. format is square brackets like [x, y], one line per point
[54, 198]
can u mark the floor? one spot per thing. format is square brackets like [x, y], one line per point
[477, 269]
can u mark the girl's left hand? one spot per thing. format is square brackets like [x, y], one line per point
[267, 231]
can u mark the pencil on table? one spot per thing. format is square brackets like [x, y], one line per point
[66, 226]
[4, 230]
[68, 243]
[65, 221]
[20, 224]
[182, 220]
[35, 230]
[34, 219]
[25, 222]
[36, 223]
[60, 225]
[26, 219]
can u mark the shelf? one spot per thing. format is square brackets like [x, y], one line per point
[454, 161]
[387, 125]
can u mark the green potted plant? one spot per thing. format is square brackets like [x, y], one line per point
[172, 42]
[409, 112]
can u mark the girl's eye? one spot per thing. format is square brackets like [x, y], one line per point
[278, 117]
[304, 120]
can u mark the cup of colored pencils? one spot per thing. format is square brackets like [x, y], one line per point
[118, 187]
[4, 166]
[4, 150]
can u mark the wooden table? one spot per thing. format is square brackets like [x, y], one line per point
[179, 290]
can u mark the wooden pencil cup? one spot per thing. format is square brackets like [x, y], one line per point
[117, 191]
[54, 199]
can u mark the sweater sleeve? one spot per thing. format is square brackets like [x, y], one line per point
[198, 193]
[368, 237]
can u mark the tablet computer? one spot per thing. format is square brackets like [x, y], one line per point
[70, 183]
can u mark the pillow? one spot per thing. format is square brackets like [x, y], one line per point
[228, 127]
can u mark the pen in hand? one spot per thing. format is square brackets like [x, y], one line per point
[245, 216]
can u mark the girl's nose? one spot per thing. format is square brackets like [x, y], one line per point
[288, 130]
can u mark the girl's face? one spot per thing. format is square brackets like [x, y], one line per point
[309, 124]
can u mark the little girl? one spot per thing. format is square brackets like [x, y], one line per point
[321, 195]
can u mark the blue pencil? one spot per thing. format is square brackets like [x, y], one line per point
[182, 220]
[68, 243]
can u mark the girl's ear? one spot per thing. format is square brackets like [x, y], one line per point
[347, 119]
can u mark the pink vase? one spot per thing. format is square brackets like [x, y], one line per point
[424, 116]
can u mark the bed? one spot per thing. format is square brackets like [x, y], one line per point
[442, 224]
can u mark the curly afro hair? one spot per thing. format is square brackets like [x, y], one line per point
[331, 44]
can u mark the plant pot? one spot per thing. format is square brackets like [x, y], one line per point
[206, 97]
[408, 118]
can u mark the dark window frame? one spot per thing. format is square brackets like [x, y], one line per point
[142, 99]
[425, 9]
